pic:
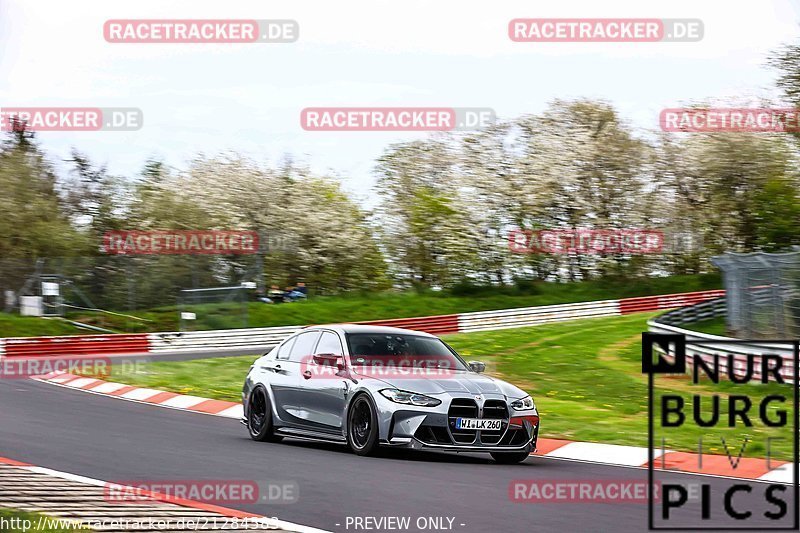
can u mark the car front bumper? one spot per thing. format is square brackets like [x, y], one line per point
[416, 444]
[419, 430]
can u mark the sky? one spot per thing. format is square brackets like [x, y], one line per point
[213, 98]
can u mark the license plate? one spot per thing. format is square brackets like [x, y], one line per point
[485, 424]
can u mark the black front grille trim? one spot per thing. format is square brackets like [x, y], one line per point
[462, 408]
[494, 409]
[433, 435]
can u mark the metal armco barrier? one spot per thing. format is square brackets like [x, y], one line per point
[532, 316]
[666, 301]
[260, 338]
[694, 313]
[436, 325]
[77, 345]
[739, 351]
[257, 338]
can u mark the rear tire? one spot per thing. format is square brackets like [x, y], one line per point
[509, 458]
[259, 417]
[362, 426]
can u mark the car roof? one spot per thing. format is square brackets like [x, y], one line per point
[368, 328]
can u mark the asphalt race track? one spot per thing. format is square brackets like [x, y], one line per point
[112, 439]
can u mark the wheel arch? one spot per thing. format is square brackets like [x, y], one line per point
[270, 400]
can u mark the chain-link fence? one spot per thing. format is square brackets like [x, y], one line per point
[762, 294]
[214, 307]
[122, 293]
[126, 292]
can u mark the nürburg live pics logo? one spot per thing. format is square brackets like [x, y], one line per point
[737, 411]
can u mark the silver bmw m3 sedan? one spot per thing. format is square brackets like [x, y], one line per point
[370, 386]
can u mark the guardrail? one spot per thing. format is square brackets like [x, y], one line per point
[666, 301]
[436, 325]
[75, 345]
[533, 316]
[187, 341]
[262, 338]
[724, 350]
[694, 313]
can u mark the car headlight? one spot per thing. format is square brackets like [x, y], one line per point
[410, 398]
[523, 404]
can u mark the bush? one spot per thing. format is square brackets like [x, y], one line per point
[468, 288]
[528, 286]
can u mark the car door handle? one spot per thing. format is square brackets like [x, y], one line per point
[276, 368]
[307, 374]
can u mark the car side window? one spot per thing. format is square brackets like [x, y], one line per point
[329, 343]
[286, 347]
[303, 346]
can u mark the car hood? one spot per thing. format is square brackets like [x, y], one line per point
[459, 382]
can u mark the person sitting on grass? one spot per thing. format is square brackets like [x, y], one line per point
[275, 294]
[296, 293]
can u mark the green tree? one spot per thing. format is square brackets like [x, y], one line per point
[425, 223]
[35, 221]
[776, 209]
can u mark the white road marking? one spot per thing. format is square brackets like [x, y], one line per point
[183, 401]
[140, 394]
[602, 453]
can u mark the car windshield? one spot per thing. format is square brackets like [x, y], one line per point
[380, 348]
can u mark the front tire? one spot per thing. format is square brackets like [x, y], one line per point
[259, 417]
[509, 458]
[362, 426]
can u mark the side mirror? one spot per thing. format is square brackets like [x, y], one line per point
[477, 366]
[329, 359]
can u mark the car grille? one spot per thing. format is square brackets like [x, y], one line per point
[462, 408]
[494, 409]
[468, 408]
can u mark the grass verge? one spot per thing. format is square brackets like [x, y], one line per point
[28, 326]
